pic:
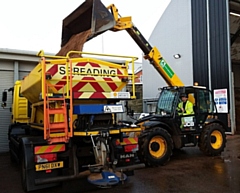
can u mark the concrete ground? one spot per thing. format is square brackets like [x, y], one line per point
[188, 171]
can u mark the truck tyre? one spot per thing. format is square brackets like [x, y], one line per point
[155, 147]
[212, 139]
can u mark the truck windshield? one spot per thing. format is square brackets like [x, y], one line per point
[167, 102]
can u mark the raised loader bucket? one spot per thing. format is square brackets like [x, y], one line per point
[91, 14]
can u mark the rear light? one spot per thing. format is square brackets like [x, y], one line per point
[45, 157]
[48, 171]
[47, 153]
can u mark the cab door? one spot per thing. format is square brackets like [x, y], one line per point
[204, 106]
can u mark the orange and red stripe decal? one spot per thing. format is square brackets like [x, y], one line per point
[49, 148]
[127, 141]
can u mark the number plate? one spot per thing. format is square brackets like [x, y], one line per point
[49, 166]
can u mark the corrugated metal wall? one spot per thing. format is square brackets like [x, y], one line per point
[6, 77]
[199, 41]
[218, 45]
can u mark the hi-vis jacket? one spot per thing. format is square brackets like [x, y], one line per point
[188, 108]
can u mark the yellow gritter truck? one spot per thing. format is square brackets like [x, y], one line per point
[65, 121]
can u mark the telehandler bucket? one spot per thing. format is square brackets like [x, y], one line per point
[90, 15]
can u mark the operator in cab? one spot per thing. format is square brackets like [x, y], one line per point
[185, 107]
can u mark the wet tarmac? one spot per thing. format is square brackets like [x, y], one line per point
[189, 171]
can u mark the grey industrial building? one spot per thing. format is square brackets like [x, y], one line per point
[202, 32]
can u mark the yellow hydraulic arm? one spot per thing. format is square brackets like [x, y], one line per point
[151, 53]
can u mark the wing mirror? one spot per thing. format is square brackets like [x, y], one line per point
[4, 98]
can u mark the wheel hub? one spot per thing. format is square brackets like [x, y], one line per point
[155, 146]
[213, 139]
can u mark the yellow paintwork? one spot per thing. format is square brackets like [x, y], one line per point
[122, 23]
[114, 131]
[19, 106]
[161, 68]
[58, 135]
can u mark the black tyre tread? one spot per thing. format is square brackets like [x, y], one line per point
[143, 145]
[204, 143]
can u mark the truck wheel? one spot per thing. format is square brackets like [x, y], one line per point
[155, 147]
[212, 140]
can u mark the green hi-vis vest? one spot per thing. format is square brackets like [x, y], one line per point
[188, 108]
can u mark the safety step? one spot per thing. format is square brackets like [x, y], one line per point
[59, 134]
[54, 139]
[57, 125]
[56, 99]
[54, 95]
[53, 111]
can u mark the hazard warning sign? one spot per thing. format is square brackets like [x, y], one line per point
[113, 109]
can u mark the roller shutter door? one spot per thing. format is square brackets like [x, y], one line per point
[6, 81]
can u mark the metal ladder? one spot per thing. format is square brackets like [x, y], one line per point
[57, 120]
